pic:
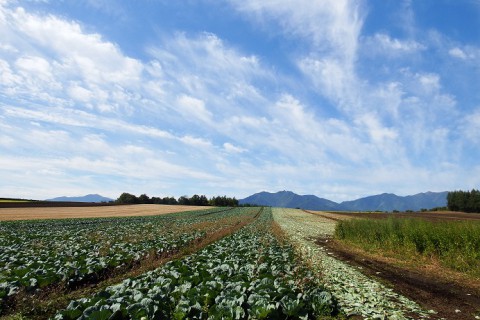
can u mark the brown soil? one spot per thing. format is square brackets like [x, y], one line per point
[452, 296]
[431, 216]
[34, 213]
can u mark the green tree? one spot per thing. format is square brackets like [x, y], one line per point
[468, 201]
[184, 200]
[127, 198]
[144, 199]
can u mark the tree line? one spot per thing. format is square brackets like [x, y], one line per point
[467, 201]
[195, 200]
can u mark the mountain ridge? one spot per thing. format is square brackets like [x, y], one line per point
[379, 202]
[86, 198]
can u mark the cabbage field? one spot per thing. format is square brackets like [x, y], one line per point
[37, 256]
[247, 275]
[220, 263]
[248, 271]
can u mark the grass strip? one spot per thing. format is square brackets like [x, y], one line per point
[456, 244]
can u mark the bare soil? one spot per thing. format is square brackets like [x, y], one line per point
[35, 213]
[431, 215]
[452, 297]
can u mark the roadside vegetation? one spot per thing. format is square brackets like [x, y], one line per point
[456, 244]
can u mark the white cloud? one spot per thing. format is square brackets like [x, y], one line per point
[6, 141]
[457, 53]
[467, 53]
[382, 43]
[230, 148]
[34, 65]
[191, 107]
[96, 60]
[429, 82]
[55, 56]
[376, 130]
[8, 79]
[331, 25]
[334, 80]
[8, 48]
[471, 127]
[199, 143]
[80, 94]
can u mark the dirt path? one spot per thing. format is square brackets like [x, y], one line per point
[450, 300]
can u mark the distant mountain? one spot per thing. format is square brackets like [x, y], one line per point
[288, 199]
[381, 202]
[390, 201]
[87, 198]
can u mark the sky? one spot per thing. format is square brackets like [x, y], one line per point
[337, 98]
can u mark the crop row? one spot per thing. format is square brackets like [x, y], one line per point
[36, 254]
[247, 275]
[357, 294]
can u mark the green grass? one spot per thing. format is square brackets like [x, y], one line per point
[455, 244]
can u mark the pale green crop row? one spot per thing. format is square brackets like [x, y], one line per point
[357, 294]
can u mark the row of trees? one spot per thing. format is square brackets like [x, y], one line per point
[467, 201]
[195, 200]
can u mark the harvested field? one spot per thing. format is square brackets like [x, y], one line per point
[11, 214]
[431, 216]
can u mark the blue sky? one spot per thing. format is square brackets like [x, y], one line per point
[337, 98]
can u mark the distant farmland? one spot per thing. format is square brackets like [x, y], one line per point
[34, 213]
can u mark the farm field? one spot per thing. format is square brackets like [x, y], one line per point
[250, 274]
[430, 216]
[253, 272]
[214, 263]
[40, 254]
[29, 213]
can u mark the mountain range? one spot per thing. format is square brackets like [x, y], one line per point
[87, 198]
[381, 202]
